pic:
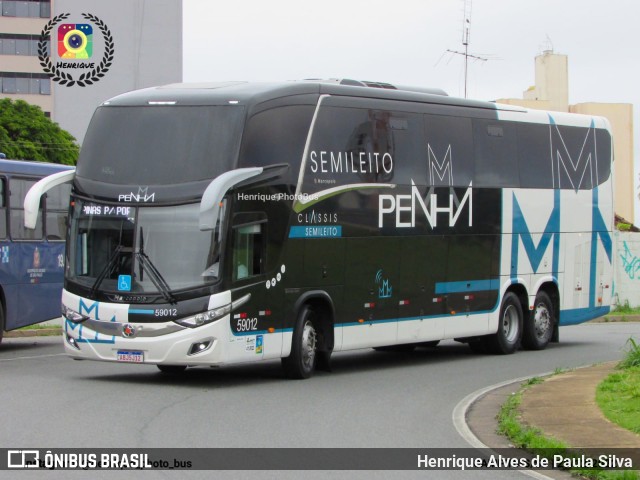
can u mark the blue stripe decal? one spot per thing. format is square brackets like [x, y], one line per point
[580, 315]
[316, 231]
[142, 311]
[522, 233]
[468, 286]
[408, 319]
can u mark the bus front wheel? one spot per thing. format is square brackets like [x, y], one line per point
[507, 339]
[304, 348]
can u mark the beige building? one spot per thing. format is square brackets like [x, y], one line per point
[21, 76]
[551, 92]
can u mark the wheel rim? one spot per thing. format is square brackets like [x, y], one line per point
[510, 323]
[542, 321]
[308, 345]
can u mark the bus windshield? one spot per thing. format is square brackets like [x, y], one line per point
[140, 249]
[160, 145]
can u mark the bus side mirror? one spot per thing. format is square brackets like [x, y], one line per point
[32, 199]
[215, 192]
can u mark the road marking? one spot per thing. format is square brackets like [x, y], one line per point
[32, 357]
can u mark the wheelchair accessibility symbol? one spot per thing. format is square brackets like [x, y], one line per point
[124, 283]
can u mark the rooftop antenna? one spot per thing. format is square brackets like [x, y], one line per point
[466, 34]
[547, 46]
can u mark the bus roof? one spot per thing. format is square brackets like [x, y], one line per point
[252, 94]
[31, 167]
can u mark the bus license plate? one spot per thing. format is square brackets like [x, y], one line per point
[130, 356]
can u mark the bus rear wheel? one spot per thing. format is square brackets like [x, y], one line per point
[538, 328]
[304, 348]
[507, 339]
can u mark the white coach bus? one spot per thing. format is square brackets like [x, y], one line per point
[239, 222]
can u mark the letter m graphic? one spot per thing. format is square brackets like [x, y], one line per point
[574, 160]
[440, 171]
[534, 252]
[87, 309]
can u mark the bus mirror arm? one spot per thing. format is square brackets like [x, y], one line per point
[32, 199]
[215, 192]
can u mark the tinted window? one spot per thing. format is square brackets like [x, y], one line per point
[57, 204]
[248, 251]
[19, 188]
[449, 151]
[534, 161]
[552, 156]
[3, 209]
[160, 145]
[353, 145]
[496, 153]
[277, 136]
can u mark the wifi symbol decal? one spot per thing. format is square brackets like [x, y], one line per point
[385, 290]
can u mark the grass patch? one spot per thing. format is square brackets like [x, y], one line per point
[625, 309]
[618, 395]
[533, 439]
[631, 356]
[39, 326]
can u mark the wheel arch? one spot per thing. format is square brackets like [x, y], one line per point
[322, 304]
[521, 292]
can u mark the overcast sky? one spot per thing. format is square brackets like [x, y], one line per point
[405, 42]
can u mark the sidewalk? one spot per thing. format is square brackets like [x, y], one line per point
[563, 407]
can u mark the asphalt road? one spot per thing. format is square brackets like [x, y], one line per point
[371, 399]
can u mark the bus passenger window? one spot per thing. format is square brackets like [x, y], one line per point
[3, 210]
[18, 190]
[57, 206]
[248, 251]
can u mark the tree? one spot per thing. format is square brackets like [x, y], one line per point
[26, 134]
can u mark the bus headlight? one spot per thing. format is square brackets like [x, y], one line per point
[205, 317]
[72, 315]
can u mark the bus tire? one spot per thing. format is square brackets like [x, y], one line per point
[172, 369]
[507, 339]
[301, 362]
[539, 327]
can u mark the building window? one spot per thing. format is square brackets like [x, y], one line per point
[19, 44]
[25, 83]
[9, 85]
[26, 8]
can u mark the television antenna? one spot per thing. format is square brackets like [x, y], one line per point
[466, 35]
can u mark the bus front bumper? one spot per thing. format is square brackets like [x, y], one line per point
[107, 335]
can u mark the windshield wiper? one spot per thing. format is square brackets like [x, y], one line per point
[156, 277]
[106, 270]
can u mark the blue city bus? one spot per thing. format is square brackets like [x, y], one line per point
[31, 261]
